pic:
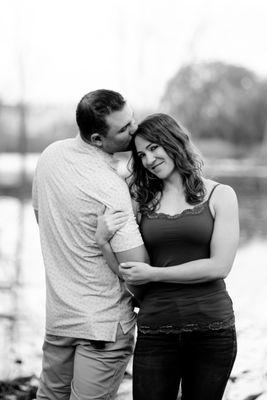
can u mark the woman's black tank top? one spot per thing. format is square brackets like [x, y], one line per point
[173, 307]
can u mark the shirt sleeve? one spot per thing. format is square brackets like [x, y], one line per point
[35, 191]
[128, 237]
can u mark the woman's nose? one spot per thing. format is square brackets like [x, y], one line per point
[150, 158]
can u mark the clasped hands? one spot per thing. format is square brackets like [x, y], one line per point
[136, 273]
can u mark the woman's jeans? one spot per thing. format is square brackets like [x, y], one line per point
[201, 361]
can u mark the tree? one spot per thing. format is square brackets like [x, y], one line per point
[218, 100]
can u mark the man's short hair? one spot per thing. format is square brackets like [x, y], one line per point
[93, 109]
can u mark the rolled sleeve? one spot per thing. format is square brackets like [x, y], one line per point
[34, 192]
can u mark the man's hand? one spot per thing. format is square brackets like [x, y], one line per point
[137, 273]
[108, 224]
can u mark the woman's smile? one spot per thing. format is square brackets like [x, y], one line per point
[157, 165]
[154, 158]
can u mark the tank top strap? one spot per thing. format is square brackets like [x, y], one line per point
[214, 187]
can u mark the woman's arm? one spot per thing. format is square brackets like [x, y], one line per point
[110, 258]
[223, 248]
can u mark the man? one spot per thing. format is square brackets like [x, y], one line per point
[89, 316]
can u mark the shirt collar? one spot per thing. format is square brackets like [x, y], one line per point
[96, 152]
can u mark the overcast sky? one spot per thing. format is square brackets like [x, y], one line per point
[66, 48]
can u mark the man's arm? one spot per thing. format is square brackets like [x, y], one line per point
[36, 215]
[35, 195]
[136, 254]
[107, 225]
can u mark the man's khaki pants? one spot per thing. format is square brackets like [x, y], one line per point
[75, 369]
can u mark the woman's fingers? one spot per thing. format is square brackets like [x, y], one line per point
[116, 220]
[109, 223]
[120, 221]
[117, 215]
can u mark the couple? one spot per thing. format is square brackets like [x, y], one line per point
[92, 248]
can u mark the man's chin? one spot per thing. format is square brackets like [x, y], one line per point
[127, 147]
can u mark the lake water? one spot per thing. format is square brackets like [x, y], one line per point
[22, 306]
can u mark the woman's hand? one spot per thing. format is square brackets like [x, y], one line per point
[137, 273]
[108, 224]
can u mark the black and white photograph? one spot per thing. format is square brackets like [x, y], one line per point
[133, 200]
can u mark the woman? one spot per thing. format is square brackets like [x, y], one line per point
[190, 228]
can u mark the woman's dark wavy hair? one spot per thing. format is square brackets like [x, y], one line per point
[145, 187]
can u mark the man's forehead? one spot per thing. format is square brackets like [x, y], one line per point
[121, 117]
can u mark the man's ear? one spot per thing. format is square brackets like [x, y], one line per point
[96, 140]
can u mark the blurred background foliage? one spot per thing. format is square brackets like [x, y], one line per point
[224, 106]
[218, 101]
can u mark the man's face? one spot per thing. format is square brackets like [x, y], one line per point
[122, 126]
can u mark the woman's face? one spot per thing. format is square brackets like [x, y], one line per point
[154, 158]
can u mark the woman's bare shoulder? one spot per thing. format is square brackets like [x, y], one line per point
[220, 195]
[221, 188]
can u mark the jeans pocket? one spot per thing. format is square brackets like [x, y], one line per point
[98, 344]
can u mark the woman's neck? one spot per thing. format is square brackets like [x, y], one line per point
[173, 183]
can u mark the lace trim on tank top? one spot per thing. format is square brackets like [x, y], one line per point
[193, 211]
[212, 326]
[188, 211]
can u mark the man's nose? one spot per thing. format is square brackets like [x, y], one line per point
[133, 127]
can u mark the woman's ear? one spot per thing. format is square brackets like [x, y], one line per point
[96, 140]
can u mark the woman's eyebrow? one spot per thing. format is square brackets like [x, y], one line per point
[150, 144]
